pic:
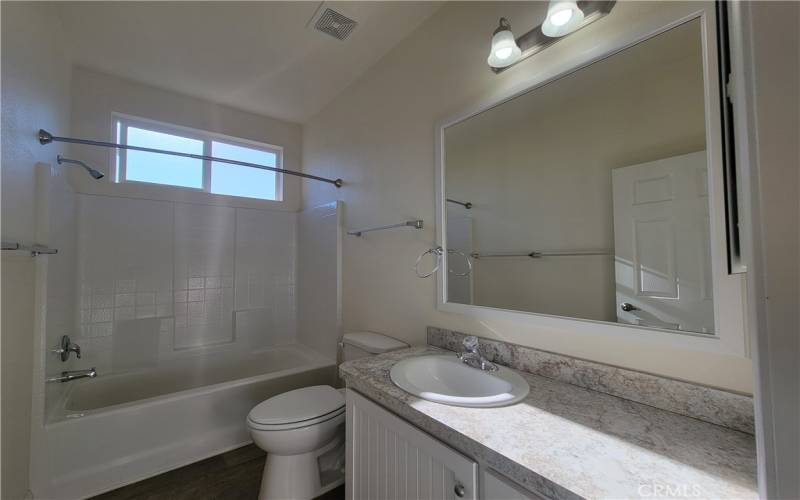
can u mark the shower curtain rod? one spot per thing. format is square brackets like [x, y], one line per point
[46, 137]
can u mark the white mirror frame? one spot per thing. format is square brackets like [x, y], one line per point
[730, 336]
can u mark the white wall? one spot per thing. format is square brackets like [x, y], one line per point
[319, 245]
[35, 94]
[95, 96]
[768, 105]
[538, 169]
[161, 280]
[378, 136]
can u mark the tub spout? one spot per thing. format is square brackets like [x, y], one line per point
[73, 375]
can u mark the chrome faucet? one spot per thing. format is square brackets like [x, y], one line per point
[74, 374]
[472, 355]
[66, 348]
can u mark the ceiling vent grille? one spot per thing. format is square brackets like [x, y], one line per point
[335, 24]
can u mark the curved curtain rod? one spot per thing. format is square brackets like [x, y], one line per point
[46, 137]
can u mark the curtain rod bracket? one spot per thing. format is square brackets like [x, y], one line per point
[45, 137]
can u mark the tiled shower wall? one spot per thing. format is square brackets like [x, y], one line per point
[160, 280]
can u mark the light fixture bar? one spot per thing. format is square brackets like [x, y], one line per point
[535, 41]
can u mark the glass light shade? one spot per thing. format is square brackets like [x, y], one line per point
[563, 17]
[504, 51]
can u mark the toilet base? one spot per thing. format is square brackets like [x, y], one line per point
[297, 477]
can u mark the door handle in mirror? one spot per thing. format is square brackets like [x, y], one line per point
[628, 307]
[459, 490]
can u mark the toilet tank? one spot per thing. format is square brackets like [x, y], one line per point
[357, 345]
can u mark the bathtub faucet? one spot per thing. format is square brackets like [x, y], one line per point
[66, 347]
[74, 374]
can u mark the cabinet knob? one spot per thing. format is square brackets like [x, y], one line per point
[628, 307]
[459, 490]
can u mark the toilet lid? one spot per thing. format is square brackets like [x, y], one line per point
[299, 405]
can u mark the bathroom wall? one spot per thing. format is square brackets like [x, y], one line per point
[149, 273]
[95, 96]
[35, 93]
[378, 136]
[163, 272]
[770, 83]
[161, 280]
[319, 243]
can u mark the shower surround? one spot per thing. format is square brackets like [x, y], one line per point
[184, 309]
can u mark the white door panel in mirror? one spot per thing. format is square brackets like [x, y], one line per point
[609, 162]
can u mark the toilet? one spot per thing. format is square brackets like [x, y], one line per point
[303, 430]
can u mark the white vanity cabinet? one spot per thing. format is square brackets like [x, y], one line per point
[390, 458]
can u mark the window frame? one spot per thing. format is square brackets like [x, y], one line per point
[118, 168]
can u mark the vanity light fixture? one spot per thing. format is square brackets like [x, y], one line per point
[563, 17]
[504, 51]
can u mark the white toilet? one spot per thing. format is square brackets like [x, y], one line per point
[302, 430]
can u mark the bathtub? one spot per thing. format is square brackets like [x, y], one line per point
[118, 429]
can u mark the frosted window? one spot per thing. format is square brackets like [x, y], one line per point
[212, 177]
[237, 180]
[164, 169]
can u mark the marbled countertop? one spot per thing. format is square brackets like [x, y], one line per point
[565, 442]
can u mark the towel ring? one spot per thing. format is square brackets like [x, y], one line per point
[466, 259]
[437, 255]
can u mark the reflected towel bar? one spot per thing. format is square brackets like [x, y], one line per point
[537, 254]
[46, 137]
[33, 249]
[416, 224]
[465, 204]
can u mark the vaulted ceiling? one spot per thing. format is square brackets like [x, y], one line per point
[263, 57]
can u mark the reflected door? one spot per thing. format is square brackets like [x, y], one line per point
[662, 247]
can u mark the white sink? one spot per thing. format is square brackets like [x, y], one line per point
[445, 379]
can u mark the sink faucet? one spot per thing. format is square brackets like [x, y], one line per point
[472, 355]
[74, 374]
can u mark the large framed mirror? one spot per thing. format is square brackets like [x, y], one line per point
[597, 197]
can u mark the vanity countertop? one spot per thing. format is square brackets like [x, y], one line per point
[566, 442]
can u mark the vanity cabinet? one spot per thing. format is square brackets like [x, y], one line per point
[390, 458]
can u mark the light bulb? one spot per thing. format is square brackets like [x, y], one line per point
[563, 17]
[504, 50]
[503, 53]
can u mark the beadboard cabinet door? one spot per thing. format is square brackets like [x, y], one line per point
[388, 458]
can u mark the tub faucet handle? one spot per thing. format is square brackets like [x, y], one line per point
[66, 347]
[75, 348]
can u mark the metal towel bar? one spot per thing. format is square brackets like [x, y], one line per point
[416, 224]
[33, 249]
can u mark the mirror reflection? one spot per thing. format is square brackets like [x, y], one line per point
[588, 197]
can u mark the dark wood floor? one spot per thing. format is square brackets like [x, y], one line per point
[235, 475]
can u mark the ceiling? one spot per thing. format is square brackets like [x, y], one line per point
[257, 56]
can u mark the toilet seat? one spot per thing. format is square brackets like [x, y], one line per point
[299, 408]
[294, 425]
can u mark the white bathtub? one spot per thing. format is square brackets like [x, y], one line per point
[123, 428]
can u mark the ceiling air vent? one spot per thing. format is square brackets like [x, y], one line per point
[335, 24]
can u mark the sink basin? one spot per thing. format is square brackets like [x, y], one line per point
[443, 378]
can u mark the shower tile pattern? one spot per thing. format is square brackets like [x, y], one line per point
[160, 280]
[203, 267]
